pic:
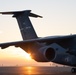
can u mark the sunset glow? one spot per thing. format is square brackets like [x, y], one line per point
[23, 54]
[28, 56]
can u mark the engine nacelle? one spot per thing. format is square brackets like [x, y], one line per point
[44, 54]
[48, 53]
[55, 53]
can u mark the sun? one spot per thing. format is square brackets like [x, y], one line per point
[28, 56]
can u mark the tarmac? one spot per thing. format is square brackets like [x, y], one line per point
[36, 71]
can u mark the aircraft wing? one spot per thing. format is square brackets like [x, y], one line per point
[52, 39]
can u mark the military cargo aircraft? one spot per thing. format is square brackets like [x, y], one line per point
[58, 49]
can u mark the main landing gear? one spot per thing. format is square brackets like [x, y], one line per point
[73, 70]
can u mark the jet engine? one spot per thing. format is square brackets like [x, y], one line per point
[54, 53]
[47, 53]
[44, 54]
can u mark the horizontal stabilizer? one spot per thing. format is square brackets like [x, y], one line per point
[20, 12]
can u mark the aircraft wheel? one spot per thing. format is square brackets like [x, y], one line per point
[73, 70]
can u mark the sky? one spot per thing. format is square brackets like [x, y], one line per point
[59, 18]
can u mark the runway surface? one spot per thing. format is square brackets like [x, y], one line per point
[35, 71]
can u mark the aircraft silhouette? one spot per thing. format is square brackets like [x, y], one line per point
[58, 49]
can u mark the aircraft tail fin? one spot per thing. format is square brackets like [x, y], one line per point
[24, 23]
